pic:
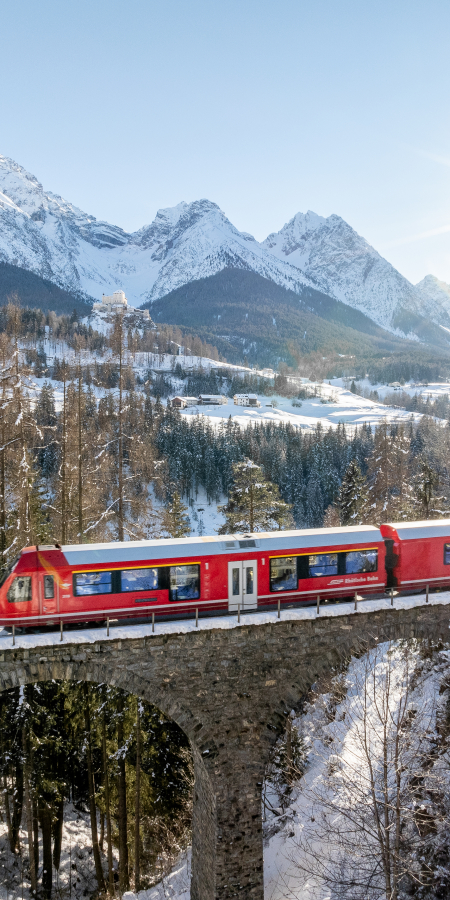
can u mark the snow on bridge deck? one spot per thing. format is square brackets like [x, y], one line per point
[182, 626]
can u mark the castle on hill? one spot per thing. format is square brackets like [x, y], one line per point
[117, 302]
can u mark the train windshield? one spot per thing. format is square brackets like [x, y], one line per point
[6, 572]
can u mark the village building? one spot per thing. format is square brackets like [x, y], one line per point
[246, 400]
[212, 399]
[183, 402]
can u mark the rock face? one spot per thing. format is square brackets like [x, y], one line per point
[345, 266]
[435, 296]
[41, 232]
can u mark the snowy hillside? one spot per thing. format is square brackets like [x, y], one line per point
[345, 266]
[42, 233]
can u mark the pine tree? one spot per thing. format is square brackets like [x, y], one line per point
[352, 501]
[175, 521]
[313, 499]
[427, 482]
[254, 503]
[46, 420]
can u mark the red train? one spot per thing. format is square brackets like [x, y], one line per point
[92, 582]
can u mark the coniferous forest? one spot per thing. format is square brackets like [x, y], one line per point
[90, 752]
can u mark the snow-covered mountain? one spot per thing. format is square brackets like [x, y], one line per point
[435, 297]
[345, 266]
[42, 232]
[45, 234]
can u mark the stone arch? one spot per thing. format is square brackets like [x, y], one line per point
[96, 672]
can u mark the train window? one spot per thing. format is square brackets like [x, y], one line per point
[283, 573]
[323, 564]
[86, 583]
[20, 590]
[139, 580]
[7, 572]
[361, 561]
[184, 582]
[49, 587]
[446, 554]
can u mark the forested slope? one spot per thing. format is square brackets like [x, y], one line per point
[246, 314]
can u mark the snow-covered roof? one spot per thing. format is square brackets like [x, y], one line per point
[183, 548]
[427, 529]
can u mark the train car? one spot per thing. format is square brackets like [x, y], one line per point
[417, 554]
[91, 582]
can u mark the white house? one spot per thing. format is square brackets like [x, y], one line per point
[246, 400]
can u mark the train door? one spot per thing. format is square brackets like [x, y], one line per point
[48, 591]
[242, 584]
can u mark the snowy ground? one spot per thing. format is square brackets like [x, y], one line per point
[205, 518]
[334, 403]
[76, 876]
[432, 390]
[175, 886]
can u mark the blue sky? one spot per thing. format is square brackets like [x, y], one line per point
[267, 108]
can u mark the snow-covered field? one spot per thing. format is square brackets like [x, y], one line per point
[433, 390]
[333, 405]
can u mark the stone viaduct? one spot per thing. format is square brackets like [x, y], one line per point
[230, 691]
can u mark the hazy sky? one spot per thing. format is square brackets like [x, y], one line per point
[267, 108]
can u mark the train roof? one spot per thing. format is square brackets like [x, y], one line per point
[430, 528]
[179, 548]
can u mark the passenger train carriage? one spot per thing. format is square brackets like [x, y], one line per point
[92, 582]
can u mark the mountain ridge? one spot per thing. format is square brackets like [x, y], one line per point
[45, 234]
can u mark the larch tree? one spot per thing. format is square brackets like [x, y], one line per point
[129, 450]
[6, 351]
[403, 499]
[254, 503]
[20, 512]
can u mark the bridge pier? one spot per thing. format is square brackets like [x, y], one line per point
[235, 865]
